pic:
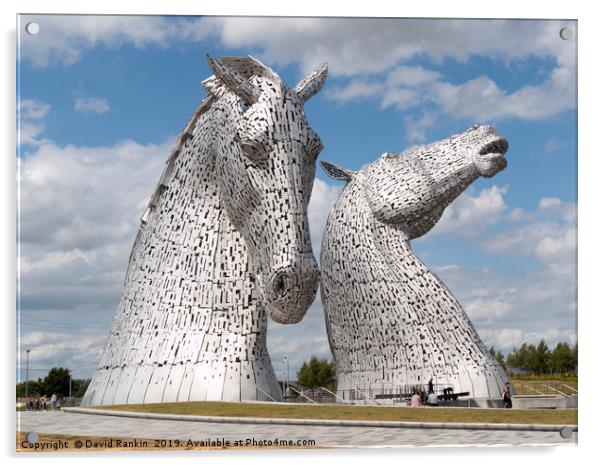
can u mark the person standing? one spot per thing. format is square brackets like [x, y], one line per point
[506, 396]
[430, 390]
[53, 401]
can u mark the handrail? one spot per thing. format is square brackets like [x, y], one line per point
[365, 397]
[569, 387]
[299, 393]
[552, 388]
[536, 391]
[335, 396]
[266, 394]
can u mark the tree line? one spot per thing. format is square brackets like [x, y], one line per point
[539, 359]
[527, 359]
[56, 381]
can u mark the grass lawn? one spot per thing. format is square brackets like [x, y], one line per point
[367, 413]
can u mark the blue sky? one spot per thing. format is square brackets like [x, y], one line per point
[103, 98]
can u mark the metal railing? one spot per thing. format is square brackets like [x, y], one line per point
[302, 395]
[544, 388]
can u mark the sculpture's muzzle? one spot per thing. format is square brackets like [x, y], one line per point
[289, 290]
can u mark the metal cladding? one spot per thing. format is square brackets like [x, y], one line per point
[391, 322]
[223, 243]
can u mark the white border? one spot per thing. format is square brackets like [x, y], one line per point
[589, 200]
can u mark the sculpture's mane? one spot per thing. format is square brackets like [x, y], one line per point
[246, 67]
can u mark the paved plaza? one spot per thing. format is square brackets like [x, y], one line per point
[324, 436]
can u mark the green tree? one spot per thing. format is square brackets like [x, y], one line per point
[57, 381]
[79, 387]
[541, 358]
[316, 373]
[561, 359]
[35, 387]
[499, 357]
[574, 359]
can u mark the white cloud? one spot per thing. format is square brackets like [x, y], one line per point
[510, 338]
[411, 76]
[91, 105]
[362, 49]
[480, 99]
[472, 212]
[551, 243]
[365, 49]
[30, 115]
[356, 90]
[510, 309]
[322, 199]
[485, 308]
[369, 46]
[63, 39]
[416, 128]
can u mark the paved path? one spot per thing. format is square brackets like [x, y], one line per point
[87, 424]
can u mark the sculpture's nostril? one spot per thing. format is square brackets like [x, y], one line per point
[280, 286]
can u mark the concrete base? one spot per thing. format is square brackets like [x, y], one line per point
[541, 402]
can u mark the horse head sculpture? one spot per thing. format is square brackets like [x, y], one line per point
[265, 167]
[392, 324]
[224, 243]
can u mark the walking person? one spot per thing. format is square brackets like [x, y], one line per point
[430, 390]
[506, 396]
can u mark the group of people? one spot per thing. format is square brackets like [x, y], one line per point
[41, 402]
[432, 400]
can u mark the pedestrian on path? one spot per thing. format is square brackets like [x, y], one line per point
[506, 396]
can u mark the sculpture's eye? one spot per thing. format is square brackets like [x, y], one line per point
[254, 151]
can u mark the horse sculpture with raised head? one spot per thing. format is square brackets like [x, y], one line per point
[224, 241]
[391, 322]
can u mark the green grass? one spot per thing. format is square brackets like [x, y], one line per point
[368, 413]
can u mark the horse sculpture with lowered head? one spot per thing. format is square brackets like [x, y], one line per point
[391, 322]
[224, 241]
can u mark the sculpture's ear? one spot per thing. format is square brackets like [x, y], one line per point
[336, 173]
[311, 83]
[233, 81]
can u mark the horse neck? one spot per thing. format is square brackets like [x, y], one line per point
[188, 221]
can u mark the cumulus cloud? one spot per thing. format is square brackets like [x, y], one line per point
[91, 105]
[30, 118]
[472, 212]
[510, 309]
[550, 242]
[416, 128]
[63, 39]
[78, 214]
[354, 46]
[322, 199]
[481, 99]
[375, 54]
